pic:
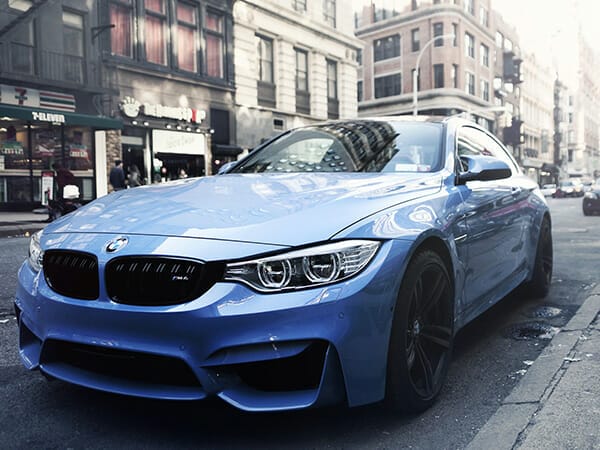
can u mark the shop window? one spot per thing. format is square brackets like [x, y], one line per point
[14, 146]
[78, 149]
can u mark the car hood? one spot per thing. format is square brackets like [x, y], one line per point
[282, 209]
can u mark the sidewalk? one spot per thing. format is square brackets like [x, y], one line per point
[21, 223]
[556, 405]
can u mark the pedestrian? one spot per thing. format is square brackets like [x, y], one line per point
[117, 176]
[64, 177]
[133, 179]
[182, 173]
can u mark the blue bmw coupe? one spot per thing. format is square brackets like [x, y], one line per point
[333, 264]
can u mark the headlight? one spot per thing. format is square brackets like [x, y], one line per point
[304, 268]
[36, 254]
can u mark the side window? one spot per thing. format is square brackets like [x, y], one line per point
[472, 141]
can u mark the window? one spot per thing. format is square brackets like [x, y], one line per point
[454, 75]
[470, 83]
[302, 95]
[438, 30]
[455, 33]
[299, 5]
[73, 46]
[484, 17]
[329, 12]
[415, 42]
[22, 53]
[213, 29]
[332, 90]
[470, 45]
[499, 39]
[156, 35]
[470, 6]
[471, 141]
[301, 70]
[121, 16]
[484, 55]
[266, 82]
[359, 91]
[485, 90]
[414, 4]
[438, 75]
[388, 86]
[265, 58]
[385, 48]
[187, 37]
[359, 55]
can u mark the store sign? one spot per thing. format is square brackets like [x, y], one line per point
[165, 141]
[33, 98]
[48, 117]
[132, 108]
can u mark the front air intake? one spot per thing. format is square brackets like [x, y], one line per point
[72, 273]
[156, 281]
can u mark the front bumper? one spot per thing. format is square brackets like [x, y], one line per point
[256, 351]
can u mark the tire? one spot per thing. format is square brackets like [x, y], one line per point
[422, 335]
[540, 282]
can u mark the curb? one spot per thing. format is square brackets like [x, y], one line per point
[504, 428]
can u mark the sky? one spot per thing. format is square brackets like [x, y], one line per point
[544, 26]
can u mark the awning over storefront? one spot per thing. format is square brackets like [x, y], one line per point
[67, 118]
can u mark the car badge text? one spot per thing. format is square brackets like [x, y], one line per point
[116, 244]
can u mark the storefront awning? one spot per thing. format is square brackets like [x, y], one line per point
[67, 118]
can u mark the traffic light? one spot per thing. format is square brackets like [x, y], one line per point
[512, 135]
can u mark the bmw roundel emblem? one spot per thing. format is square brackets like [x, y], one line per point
[116, 244]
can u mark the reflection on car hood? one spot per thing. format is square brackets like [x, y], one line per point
[284, 209]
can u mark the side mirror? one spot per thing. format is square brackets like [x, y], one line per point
[483, 168]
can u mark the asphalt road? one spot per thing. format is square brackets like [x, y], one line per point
[491, 355]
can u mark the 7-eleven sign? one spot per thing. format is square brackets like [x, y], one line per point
[19, 96]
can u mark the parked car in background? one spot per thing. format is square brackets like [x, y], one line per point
[548, 190]
[333, 264]
[569, 188]
[591, 200]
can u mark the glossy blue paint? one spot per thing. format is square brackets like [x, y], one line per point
[488, 230]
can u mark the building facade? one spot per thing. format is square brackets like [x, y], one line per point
[537, 106]
[172, 83]
[453, 41]
[52, 119]
[295, 64]
[468, 62]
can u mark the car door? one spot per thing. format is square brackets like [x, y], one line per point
[495, 224]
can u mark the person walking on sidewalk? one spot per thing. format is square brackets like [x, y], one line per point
[117, 176]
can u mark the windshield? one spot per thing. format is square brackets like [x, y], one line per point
[353, 146]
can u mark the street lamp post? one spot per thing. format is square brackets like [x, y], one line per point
[416, 71]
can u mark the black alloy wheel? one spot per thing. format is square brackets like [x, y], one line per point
[539, 286]
[422, 335]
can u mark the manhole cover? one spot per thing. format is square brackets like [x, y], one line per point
[533, 330]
